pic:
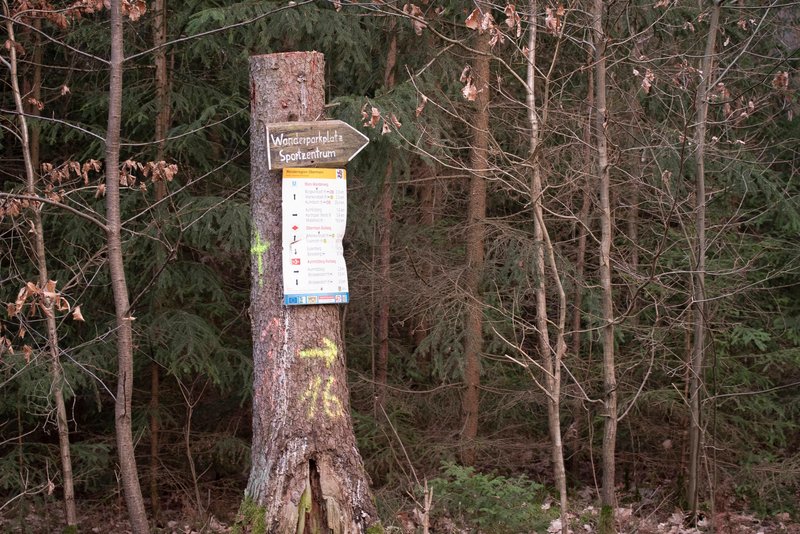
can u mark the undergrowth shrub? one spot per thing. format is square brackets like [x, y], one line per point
[490, 503]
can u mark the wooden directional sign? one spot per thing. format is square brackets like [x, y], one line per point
[312, 144]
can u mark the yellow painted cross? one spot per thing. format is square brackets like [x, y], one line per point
[327, 353]
[259, 249]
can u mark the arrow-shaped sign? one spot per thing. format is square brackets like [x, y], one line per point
[312, 144]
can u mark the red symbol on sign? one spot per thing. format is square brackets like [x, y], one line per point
[295, 261]
[294, 227]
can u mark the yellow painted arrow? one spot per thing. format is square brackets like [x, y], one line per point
[327, 353]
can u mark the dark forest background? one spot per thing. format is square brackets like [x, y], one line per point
[401, 73]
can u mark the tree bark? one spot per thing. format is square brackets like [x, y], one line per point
[576, 403]
[30, 153]
[428, 195]
[638, 165]
[307, 475]
[476, 215]
[122, 404]
[384, 295]
[551, 356]
[698, 278]
[608, 499]
[161, 127]
[385, 237]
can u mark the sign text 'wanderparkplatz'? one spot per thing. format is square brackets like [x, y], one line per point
[312, 144]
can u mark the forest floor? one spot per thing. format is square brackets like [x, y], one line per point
[45, 517]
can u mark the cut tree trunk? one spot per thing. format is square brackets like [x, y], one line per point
[307, 475]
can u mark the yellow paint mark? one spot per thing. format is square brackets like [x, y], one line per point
[311, 394]
[331, 403]
[258, 249]
[328, 353]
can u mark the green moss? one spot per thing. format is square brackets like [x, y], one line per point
[252, 515]
[606, 523]
[377, 528]
[302, 508]
[71, 529]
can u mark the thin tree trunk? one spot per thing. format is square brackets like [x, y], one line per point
[119, 286]
[580, 268]
[583, 223]
[635, 185]
[155, 431]
[608, 499]
[191, 402]
[385, 237]
[698, 286]
[551, 358]
[384, 295]
[427, 201]
[161, 127]
[306, 471]
[36, 92]
[56, 372]
[476, 215]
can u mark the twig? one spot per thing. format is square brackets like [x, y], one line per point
[70, 209]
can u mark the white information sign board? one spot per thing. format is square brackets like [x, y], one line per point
[314, 218]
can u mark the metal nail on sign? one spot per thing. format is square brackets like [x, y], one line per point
[312, 144]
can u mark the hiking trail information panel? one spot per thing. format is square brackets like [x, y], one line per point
[314, 220]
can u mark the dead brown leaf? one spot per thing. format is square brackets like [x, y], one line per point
[414, 11]
[497, 37]
[35, 103]
[469, 91]
[473, 21]
[552, 19]
[465, 74]
[421, 106]
[134, 9]
[647, 81]
[781, 81]
[513, 19]
[370, 119]
[5, 345]
[487, 22]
